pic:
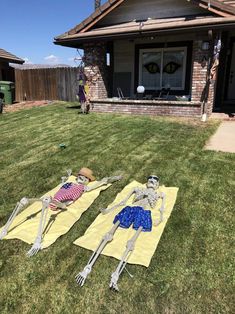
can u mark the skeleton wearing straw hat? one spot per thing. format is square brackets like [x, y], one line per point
[68, 193]
[138, 215]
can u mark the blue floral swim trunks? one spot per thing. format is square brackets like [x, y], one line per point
[135, 215]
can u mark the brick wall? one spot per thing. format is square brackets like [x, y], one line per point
[199, 77]
[96, 70]
[171, 108]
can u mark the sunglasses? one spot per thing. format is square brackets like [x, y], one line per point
[153, 177]
[80, 176]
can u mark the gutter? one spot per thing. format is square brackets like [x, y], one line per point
[11, 60]
[74, 42]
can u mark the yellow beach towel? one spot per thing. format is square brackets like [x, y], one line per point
[25, 225]
[146, 243]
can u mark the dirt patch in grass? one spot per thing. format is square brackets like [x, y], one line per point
[25, 105]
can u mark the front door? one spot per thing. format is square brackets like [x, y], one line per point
[231, 79]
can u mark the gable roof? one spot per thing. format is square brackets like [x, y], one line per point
[9, 57]
[221, 8]
[91, 20]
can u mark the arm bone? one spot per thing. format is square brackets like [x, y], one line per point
[162, 208]
[122, 203]
[65, 178]
[104, 181]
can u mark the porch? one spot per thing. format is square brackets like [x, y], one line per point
[171, 72]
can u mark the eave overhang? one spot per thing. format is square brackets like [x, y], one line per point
[127, 32]
[8, 57]
[11, 60]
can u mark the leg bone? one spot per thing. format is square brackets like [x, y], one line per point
[81, 277]
[19, 206]
[37, 243]
[129, 248]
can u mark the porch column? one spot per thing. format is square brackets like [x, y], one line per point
[96, 70]
[200, 79]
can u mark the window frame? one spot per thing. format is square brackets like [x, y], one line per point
[170, 46]
[162, 50]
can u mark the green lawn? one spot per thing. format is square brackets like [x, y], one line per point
[192, 269]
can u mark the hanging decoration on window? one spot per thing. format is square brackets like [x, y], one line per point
[171, 67]
[152, 67]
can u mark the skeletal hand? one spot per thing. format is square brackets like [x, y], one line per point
[104, 180]
[81, 277]
[157, 223]
[69, 172]
[34, 249]
[113, 283]
[114, 179]
[104, 210]
[63, 179]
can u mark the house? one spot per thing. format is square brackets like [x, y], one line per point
[6, 71]
[181, 53]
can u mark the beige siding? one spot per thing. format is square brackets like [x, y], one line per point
[144, 9]
[124, 52]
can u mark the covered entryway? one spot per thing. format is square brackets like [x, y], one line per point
[225, 89]
[231, 75]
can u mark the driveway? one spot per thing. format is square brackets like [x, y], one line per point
[224, 138]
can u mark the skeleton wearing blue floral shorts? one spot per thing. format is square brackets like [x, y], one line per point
[138, 215]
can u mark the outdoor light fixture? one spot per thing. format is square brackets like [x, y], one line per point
[140, 91]
[205, 45]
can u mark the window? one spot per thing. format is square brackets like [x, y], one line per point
[162, 68]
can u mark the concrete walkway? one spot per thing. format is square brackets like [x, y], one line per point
[224, 138]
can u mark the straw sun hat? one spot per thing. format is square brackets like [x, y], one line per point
[86, 172]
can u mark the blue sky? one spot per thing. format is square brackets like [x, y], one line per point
[29, 26]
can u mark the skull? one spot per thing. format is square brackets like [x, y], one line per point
[153, 182]
[82, 179]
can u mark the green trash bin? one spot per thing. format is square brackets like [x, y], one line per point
[7, 89]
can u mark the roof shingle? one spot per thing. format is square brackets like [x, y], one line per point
[9, 57]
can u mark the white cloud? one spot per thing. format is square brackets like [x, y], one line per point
[27, 61]
[51, 59]
[71, 59]
[74, 61]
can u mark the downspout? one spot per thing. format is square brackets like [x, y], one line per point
[204, 104]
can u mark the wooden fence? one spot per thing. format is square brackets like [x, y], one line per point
[46, 84]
